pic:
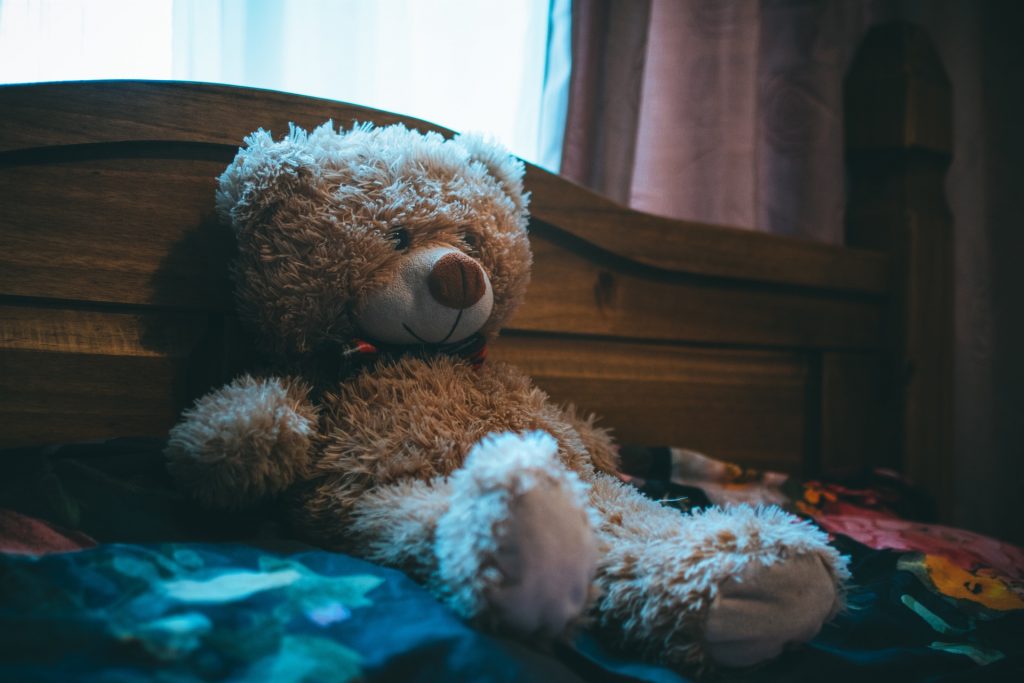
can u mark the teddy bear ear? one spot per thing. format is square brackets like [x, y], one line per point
[507, 169]
[263, 173]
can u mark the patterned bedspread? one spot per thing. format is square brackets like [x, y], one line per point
[157, 590]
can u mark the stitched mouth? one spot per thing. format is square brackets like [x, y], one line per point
[437, 343]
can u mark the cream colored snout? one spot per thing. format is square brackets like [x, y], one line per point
[438, 296]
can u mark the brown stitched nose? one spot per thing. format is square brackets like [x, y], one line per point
[456, 281]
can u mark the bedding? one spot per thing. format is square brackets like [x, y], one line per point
[107, 574]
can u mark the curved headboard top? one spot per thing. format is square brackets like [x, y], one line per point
[53, 115]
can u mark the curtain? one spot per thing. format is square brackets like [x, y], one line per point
[730, 112]
[715, 110]
[609, 41]
[496, 68]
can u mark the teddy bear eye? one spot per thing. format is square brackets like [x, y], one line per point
[471, 241]
[400, 238]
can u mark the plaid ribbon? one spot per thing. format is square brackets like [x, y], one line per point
[473, 349]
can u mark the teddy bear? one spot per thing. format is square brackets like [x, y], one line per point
[373, 265]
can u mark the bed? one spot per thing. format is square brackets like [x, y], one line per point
[826, 366]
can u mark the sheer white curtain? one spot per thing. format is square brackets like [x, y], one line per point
[500, 68]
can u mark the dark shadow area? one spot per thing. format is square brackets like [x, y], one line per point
[194, 278]
[1003, 63]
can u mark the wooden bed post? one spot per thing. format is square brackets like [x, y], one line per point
[899, 140]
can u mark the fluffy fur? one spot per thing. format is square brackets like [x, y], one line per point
[664, 572]
[245, 442]
[503, 503]
[312, 213]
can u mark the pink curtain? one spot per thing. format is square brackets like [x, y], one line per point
[609, 44]
[721, 111]
[730, 112]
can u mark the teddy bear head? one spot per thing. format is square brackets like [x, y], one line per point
[384, 234]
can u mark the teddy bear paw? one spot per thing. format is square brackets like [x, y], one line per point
[543, 565]
[516, 547]
[764, 608]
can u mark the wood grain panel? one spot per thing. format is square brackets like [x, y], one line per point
[587, 292]
[856, 413]
[59, 398]
[68, 375]
[701, 248]
[122, 230]
[137, 230]
[58, 114]
[57, 330]
[746, 406]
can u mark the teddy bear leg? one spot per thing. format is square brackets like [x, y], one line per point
[516, 550]
[396, 525]
[505, 541]
[730, 586]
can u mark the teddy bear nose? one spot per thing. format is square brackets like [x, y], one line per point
[456, 281]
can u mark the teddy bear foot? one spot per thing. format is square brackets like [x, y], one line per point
[516, 548]
[545, 557]
[764, 608]
[775, 583]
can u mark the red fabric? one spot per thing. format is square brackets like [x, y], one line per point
[23, 535]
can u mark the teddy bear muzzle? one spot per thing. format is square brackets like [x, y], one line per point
[438, 295]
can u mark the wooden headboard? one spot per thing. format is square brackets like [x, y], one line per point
[115, 305]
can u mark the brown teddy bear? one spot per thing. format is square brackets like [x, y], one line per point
[374, 264]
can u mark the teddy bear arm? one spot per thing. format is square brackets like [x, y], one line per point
[249, 440]
[727, 587]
